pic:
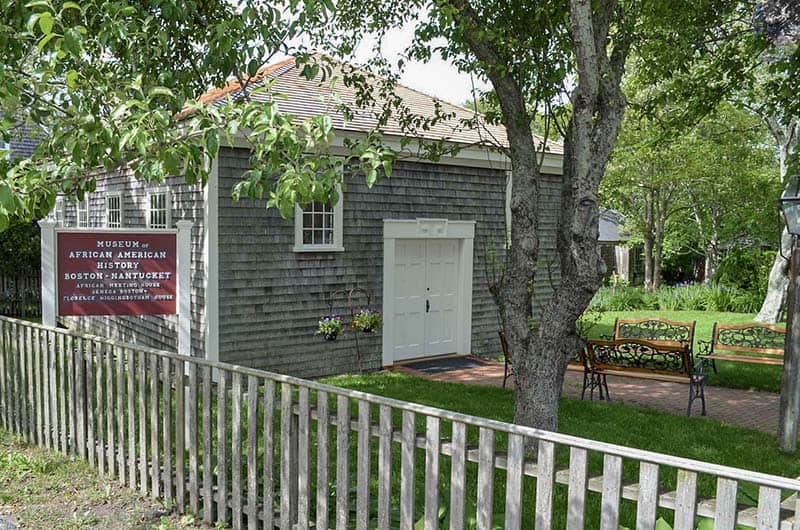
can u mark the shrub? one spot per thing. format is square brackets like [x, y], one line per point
[745, 269]
[676, 298]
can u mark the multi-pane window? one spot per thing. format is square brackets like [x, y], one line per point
[83, 212]
[318, 227]
[158, 215]
[114, 210]
[318, 224]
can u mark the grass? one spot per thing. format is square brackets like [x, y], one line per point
[732, 375]
[45, 489]
[696, 438]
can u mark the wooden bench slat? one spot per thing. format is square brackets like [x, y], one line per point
[744, 359]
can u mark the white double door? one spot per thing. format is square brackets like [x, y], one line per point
[425, 309]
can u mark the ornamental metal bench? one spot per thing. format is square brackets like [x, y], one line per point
[747, 343]
[643, 359]
[657, 330]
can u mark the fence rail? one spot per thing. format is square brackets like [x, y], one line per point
[260, 450]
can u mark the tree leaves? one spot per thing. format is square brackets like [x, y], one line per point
[113, 86]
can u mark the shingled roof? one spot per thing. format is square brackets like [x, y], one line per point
[304, 98]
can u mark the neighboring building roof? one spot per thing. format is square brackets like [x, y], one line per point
[611, 226]
[304, 98]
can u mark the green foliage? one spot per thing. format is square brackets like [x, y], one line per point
[21, 248]
[746, 269]
[682, 298]
[115, 84]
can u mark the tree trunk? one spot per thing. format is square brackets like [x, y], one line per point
[712, 260]
[778, 284]
[648, 263]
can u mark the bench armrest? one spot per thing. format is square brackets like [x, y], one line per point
[704, 347]
[699, 368]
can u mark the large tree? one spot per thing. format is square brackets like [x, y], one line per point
[565, 61]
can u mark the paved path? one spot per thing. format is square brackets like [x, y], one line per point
[748, 408]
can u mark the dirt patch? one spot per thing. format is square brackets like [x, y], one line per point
[45, 489]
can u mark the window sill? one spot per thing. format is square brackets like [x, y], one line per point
[318, 248]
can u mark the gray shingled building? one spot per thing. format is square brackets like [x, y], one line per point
[415, 243]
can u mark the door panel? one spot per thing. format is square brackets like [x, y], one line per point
[442, 289]
[409, 301]
[426, 297]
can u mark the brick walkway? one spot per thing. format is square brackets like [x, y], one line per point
[752, 409]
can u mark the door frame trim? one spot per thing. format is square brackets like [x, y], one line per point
[425, 228]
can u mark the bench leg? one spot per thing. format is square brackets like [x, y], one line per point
[605, 385]
[697, 390]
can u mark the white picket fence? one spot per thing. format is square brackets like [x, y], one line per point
[259, 450]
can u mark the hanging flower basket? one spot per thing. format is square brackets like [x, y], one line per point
[367, 321]
[330, 327]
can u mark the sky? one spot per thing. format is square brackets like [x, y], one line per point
[436, 78]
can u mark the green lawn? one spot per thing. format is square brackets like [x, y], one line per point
[732, 375]
[696, 438]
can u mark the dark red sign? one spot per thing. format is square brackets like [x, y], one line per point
[116, 273]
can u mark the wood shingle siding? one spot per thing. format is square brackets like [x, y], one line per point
[271, 298]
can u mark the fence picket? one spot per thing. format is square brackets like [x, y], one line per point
[286, 457]
[131, 394]
[236, 451]
[322, 460]
[342, 466]
[513, 508]
[363, 465]
[100, 400]
[166, 427]
[612, 489]
[62, 391]
[50, 390]
[208, 475]
[769, 508]
[155, 448]
[458, 475]
[407, 471]
[24, 384]
[222, 450]
[120, 377]
[303, 446]
[486, 478]
[385, 468]
[3, 371]
[252, 452]
[36, 346]
[576, 490]
[686, 501]
[141, 371]
[180, 435]
[191, 431]
[725, 516]
[647, 497]
[269, 454]
[88, 365]
[545, 473]
[80, 397]
[71, 395]
[432, 448]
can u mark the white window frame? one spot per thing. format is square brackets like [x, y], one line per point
[167, 207]
[83, 207]
[338, 221]
[109, 197]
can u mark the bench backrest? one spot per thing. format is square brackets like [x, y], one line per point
[756, 338]
[657, 330]
[639, 356]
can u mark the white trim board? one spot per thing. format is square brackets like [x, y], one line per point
[464, 231]
[211, 261]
